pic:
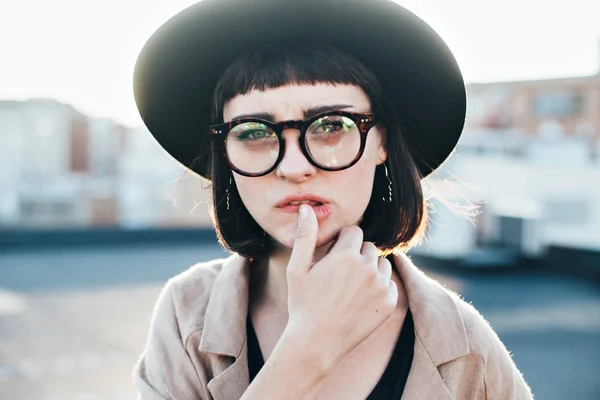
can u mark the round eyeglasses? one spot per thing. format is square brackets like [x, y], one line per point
[332, 141]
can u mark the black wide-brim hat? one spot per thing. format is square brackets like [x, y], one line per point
[178, 68]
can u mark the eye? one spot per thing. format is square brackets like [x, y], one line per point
[334, 127]
[252, 131]
[328, 127]
[254, 134]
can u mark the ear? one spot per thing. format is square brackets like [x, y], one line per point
[381, 152]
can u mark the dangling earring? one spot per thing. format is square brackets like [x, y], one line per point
[263, 239]
[227, 191]
[389, 200]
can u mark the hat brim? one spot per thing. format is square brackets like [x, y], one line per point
[177, 70]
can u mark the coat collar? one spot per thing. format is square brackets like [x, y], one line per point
[438, 322]
[439, 328]
[227, 310]
[440, 334]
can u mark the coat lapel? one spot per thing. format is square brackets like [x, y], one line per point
[440, 333]
[224, 333]
[233, 381]
[424, 380]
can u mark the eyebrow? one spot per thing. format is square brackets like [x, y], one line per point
[308, 113]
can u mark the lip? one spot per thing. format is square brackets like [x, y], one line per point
[300, 197]
[322, 211]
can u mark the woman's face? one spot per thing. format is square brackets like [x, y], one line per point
[346, 193]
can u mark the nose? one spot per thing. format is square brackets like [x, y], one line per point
[294, 166]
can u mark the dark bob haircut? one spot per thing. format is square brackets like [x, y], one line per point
[390, 226]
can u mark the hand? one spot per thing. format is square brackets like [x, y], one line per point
[339, 301]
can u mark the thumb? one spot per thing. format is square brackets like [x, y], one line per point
[306, 238]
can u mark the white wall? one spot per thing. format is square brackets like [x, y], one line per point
[46, 138]
[566, 192]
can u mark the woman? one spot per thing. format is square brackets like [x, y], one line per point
[314, 122]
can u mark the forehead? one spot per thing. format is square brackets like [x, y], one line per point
[289, 101]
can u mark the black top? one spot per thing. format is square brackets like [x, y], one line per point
[390, 385]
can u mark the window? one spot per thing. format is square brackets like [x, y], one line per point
[558, 104]
[567, 212]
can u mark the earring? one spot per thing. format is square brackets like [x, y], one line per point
[227, 191]
[389, 200]
[262, 244]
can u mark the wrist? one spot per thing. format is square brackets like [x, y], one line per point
[313, 358]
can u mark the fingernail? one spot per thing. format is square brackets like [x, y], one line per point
[302, 211]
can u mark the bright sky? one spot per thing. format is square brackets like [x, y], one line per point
[83, 52]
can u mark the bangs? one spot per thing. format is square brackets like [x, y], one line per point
[277, 65]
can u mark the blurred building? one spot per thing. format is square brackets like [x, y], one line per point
[38, 184]
[154, 190]
[530, 156]
[60, 168]
[510, 117]
[573, 103]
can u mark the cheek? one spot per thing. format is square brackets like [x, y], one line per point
[354, 190]
[251, 191]
[356, 184]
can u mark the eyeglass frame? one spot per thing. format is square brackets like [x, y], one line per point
[364, 122]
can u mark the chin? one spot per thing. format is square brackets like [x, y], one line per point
[287, 239]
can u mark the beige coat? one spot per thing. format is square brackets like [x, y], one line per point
[197, 343]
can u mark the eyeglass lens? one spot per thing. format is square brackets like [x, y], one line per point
[332, 141]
